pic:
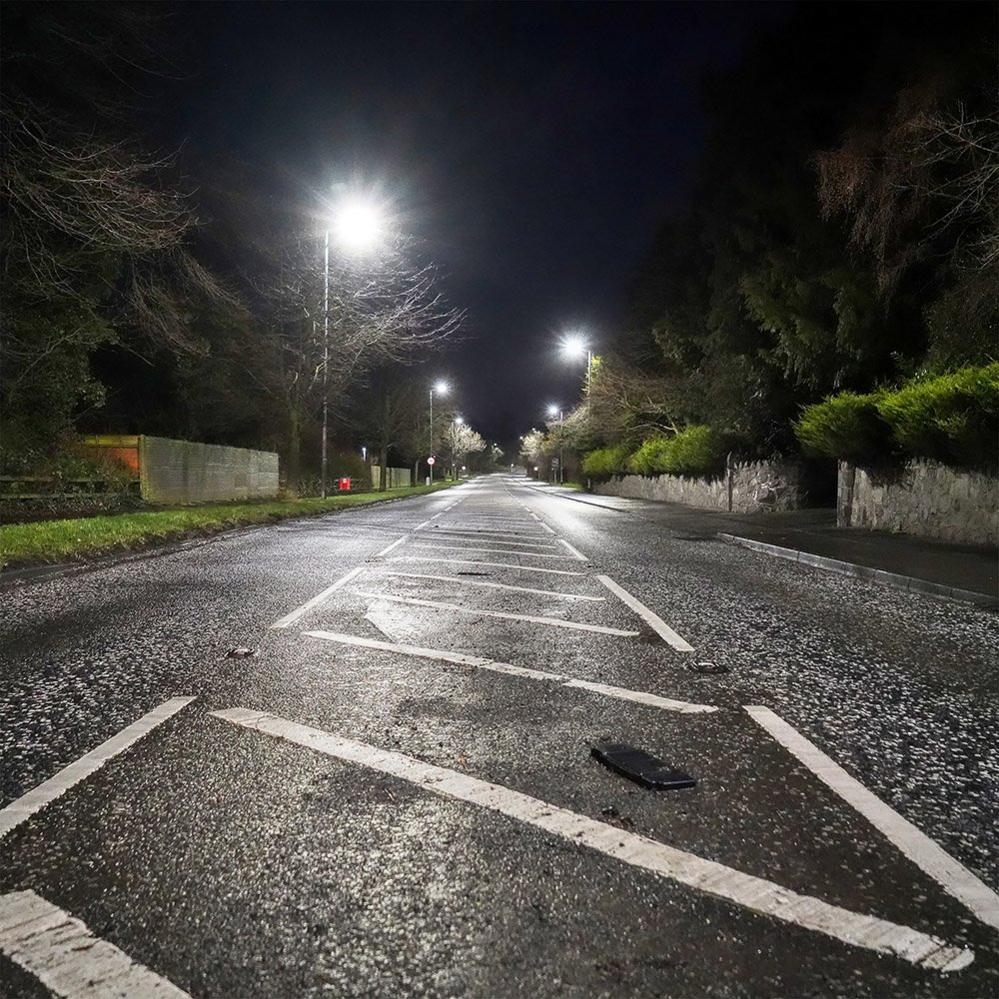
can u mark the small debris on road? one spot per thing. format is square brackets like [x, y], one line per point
[240, 652]
[708, 668]
[641, 767]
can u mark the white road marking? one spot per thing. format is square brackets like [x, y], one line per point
[495, 565]
[479, 612]
[953, 877]
[395, 544]
[62, 953]
[653, 620]
[491, 538]
[319, 598]
[575, 551]
[24, 807]
[464, 581]
[539, 520]
[493, 551]
[461, 659]
[746, 890]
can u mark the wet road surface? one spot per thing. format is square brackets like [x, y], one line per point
[395, 795]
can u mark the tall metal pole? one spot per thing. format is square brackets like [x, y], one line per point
[326, 359]
[431, 451]
[561, 452]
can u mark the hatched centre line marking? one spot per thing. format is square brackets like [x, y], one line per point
[493, 586]
[319, 598]
[395, 544]
[23, 808]
[493, 551]
[496, 565]
[746, 890]
[575, 551]
[461, 659]
[61, 952]
[479, 612]
[953, 877]
[658, 625]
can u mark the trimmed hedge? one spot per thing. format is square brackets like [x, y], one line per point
[605, 461]
[696, 450]
[951, 418]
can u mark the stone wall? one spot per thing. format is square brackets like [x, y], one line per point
[745, 488]
[184, 472]
[395, 478]
[924, 498]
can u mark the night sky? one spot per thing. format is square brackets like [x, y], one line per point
[531, 148]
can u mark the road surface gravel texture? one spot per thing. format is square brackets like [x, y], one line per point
[394, 795]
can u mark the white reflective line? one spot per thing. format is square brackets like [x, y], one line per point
[496, 565]
[460, 659]
[24, 807]
[575, 551]
[653, 620]
[62, 953]
[953, 877]
[395, 544]
[479, 612]
[491, 537]
[493, 586]
[319, 598]
[750, 892]
[539, 520]
[493, 551]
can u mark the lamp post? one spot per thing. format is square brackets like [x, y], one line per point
[357, 225]
[554, 410]
[574, 346]
[440, 388]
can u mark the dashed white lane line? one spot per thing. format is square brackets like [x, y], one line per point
[495, 565]
[653, 620]
[395, 544]
[551, 622]
[62, 953]
[461, 659]
[494, 586]
[750, 892]
[953, 877]
[492, 551]
[290, 619]
[576, 553]
[23, 808]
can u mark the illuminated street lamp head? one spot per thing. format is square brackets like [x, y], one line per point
[358, 225]
[553, 410]
[459, 420]
[574, 345]
[440, 387]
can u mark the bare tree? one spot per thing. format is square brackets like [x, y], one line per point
[459, 441]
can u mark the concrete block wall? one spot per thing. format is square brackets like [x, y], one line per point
[745, 488]
[924, 498]
[395, 479]
[186, 472]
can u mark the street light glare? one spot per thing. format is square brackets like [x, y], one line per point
[553, 410]
[358, 225]
[441, 387]
[459, 420]
[574, 345]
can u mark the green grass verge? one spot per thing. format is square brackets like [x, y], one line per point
[58, 540]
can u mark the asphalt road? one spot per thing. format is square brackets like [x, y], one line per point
[394, 794]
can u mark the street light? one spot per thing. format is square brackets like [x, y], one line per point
[553, 411]
[357, 224]
[441, 388]
[574, 347]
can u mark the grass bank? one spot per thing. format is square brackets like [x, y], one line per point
[62, 540]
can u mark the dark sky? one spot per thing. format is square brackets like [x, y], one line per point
[531, 147]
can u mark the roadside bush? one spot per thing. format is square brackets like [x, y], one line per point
[952, 418]
[696, 450]
[847, 426]
[605, 461]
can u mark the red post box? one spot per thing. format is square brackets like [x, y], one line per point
[343, 485]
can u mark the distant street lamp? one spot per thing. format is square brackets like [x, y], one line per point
[553, 411]
[441, 388]
[575, 347]
[357, 225]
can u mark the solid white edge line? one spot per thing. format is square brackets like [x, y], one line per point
[460, 659]
[653, 620]
[575, 551]
[479, 612]
[746, 890]
[395, 544]
[490, 551]
[952, 876]
[493, 586]
[496, 565]
[61, 952]
[319, 598]
[23, 808]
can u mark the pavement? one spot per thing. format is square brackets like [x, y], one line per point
[351, 756]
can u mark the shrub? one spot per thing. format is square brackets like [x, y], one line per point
[847, 426]
[696, 450]
[953, 418]
[605, 461]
